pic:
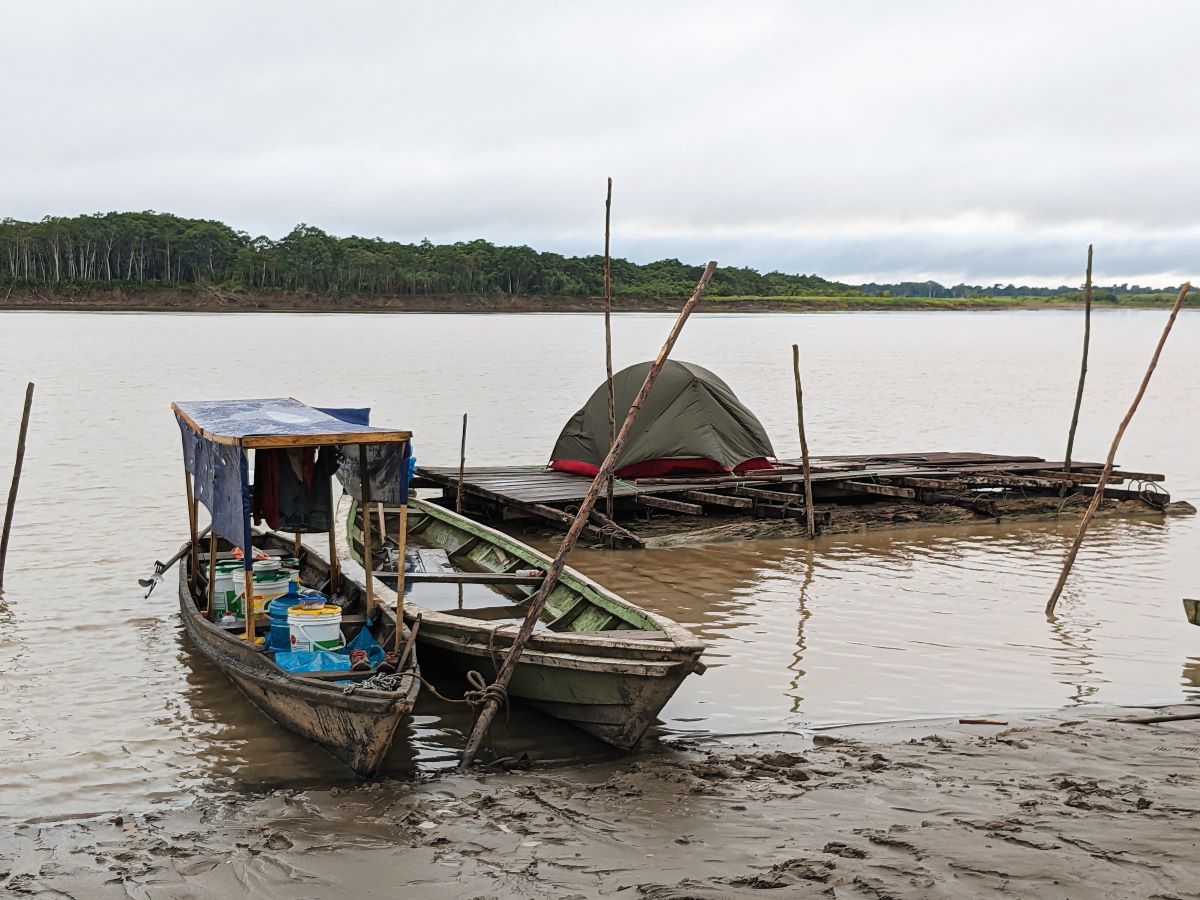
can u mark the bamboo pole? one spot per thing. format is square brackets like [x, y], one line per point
[11, 504]
[1112, 454]
[335, 569]
[212, 572]
[364, 506]
[1087, 335]
[248, 603]
[401, 545]
[194, 551]
[462, 466]
[608, 365]
[499, 687]
[808, 493]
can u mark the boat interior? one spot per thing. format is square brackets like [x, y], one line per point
[313, 576]
[459, 569]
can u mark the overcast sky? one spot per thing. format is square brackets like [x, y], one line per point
[862, 141]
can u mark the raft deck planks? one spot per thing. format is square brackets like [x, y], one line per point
[550, 495]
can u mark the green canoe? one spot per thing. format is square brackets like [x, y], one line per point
[595, 660]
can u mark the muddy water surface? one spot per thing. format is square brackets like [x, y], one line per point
[103, 705]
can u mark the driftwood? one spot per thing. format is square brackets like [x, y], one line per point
[496, 691]
[1112, 454]
[11, 504]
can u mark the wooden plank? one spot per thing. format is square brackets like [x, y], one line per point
[720, 499]
[691, 509]
[760, 494]
[870, 487]
[488, 613]
[471, 578]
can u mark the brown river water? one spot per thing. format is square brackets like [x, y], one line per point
[104, 706]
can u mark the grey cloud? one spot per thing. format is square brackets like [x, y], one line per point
[873, 140]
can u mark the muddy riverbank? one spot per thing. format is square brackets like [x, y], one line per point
[207, 299]
[1067, 804]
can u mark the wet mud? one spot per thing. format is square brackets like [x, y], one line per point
[1061, 805]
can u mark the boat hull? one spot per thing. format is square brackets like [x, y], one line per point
[614, 702]
[356, 728]
[610, 683]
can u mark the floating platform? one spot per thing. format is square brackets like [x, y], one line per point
[980, 482]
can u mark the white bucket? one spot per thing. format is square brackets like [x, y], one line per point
[319, 629]
[266, 589]
[224, 591]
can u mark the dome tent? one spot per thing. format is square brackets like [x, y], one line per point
[691, 422]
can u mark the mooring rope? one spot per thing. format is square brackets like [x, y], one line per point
[380, 681]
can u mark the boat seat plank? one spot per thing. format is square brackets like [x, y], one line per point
[472, 578]
[623, 634]
[488, 613]
[435, 560]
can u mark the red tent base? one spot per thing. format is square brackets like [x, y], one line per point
[657, 468]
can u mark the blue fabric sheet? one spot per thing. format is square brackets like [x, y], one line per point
[331, 660]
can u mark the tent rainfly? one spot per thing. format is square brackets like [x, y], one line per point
[691, 422]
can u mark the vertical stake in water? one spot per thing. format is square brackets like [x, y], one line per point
[1087, 336]
[462, 466]
[537, 604]
[1106, 472]
[11, 505]
[612, 399]
[808, 496]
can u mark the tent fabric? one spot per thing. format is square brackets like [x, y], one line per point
[691, 421]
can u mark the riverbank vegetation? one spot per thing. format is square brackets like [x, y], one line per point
[143, 253]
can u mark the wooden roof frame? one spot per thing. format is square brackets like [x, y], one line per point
[276, 441]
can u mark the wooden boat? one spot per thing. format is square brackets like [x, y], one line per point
[357, 728]
[353, 715]
[595, 660]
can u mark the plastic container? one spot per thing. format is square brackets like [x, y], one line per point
[267, 586]
[279, 635]
[315, 629]
[223, 592]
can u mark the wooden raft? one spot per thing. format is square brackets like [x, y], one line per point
[972, 480]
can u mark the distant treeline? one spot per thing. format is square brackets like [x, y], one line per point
[963, 291]
[159, 249]
[151, 249]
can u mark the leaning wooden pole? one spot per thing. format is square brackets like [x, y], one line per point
[1087, 337]
[500, 686]
[612, 397]
[808, 496]
[1106, 472]
[11, 505]
[462, 466]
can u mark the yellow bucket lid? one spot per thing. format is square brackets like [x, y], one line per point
[326, 610]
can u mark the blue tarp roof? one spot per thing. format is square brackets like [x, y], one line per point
[244, 421]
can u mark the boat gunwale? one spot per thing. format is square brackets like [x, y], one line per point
[677, 638]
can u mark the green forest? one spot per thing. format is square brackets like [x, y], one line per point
[159, 250]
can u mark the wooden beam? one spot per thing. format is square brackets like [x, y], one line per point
[472, 578]
[780, 496]
[870, 487]
[691, 509]
[609, 525]
[720, 499]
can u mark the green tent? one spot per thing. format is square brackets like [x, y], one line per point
[691, 422]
